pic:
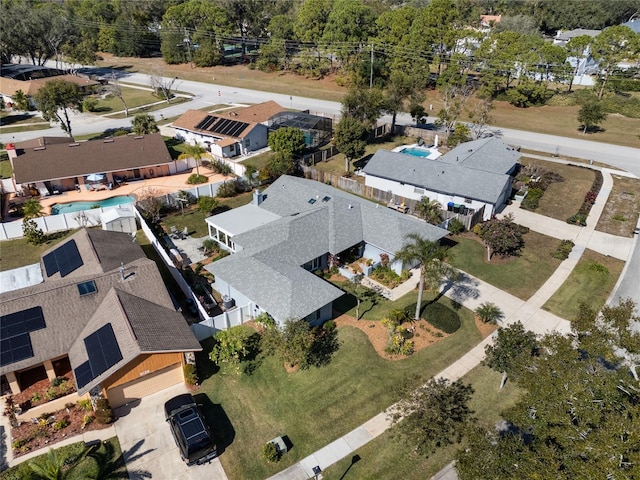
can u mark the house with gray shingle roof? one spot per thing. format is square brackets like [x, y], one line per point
[293, 229]
[102, 318]
[475, 174]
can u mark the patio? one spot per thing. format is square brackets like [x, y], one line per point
[162, 185]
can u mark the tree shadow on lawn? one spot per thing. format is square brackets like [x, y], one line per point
[217, 419]
[11, 119]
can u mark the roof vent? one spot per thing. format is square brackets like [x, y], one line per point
[350, 206]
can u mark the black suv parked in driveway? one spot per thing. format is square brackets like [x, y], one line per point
[191, 433]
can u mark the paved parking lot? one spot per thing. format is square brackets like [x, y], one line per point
[148, 446]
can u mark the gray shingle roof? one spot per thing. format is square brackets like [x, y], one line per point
[437, 176]
[486, 154]
[268, 268]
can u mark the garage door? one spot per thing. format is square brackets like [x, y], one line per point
[152, 383]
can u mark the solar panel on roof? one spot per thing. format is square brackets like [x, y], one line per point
[206, 122]
[87, 288]
[230, 128]
[15, 349]
[64, 259]
[14, 332]
[103, 350]
[50, 264]
[83, 374]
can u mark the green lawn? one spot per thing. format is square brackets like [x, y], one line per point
[13, 119]
[388, 457]
[106, 461]
[18, 253]
[193, 218]
[586, 283]
[5, 166]
[134, 97]
[314, 407]
[521, 276]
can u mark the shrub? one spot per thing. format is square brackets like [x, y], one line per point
[329, 325]
[456, 226]
[195, 179]
[265, 320]
[86, 404]
[35, 398]
[104, 413]
[89, 104]
[228, 189]
[219, 166]
[578, 219]
[270, 453]
[60, 424]
[190, 374]
[51, 393]
[442, 317]
[563, 250]
[86, 420]
[598, 267]
[207, 204]
[56, 382]
[532, 200]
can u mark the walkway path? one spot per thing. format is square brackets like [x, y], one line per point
[470, 292]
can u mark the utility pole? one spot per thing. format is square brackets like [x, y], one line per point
[187, 42]
[371, 71]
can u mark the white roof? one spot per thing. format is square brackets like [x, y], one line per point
[115, 213]
[20, 277]
[242, 219]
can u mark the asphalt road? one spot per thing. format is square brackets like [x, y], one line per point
[205, 94]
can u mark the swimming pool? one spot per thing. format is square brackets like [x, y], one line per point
[71, 207]
[416, 152]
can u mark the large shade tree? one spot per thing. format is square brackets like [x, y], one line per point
[433, 269]
[56, 98]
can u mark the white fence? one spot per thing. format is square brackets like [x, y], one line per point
[64, 221]
[230, 318]
[91, 218]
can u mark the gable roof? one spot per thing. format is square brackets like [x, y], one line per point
[138, 306]
[65, 160]
[273, 253]
[9, 86]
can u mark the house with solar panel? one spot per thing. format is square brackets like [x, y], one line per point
[101, 318]
[229, 134]
[473, 177]
[292, 229]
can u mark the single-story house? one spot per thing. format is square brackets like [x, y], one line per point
[475, 174]
[293, 229]
[30, 78]
[230, 134]
[63, 164]
[102, 315]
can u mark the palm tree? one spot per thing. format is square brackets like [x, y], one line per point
[489, 312]
[52, 466]
[31, 209]
[429, 210]
[431, 257]
[196, 152]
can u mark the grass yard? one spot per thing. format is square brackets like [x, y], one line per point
[563, 199]
[314, 407]
[13, 119]
[388, 457]
[620, 213]
[260, 161]
[588, 282]
[193, 218]
[18, 253]
[520, 276]
[26, 128]
[5, 166]
[106, 461]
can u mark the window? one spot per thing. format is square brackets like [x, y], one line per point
[87, 288]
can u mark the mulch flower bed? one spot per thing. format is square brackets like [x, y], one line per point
[51, 428]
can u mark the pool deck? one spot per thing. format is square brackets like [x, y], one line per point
[161, 185]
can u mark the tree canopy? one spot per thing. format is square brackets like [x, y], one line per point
[55, 98]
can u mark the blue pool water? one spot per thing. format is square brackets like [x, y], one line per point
[79, 206]
[416, 152]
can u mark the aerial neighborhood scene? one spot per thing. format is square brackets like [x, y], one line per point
[320, 239]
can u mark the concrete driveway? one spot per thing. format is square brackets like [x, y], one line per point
[148, 446]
